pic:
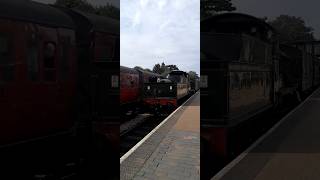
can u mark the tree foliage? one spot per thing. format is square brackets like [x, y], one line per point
[193, 75]
[109, 11]
[157, 69]
[138, 68]
[164, 69]
[291, 28]
[83, 5]
[142, 69]
[210, 7]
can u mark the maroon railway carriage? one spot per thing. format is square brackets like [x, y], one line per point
[129, 86]
[59, 76]
[37, 71]
[98, 47]
[132, 83]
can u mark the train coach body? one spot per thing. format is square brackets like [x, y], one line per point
[37, 71]
[181, 79]
[236, 76]
[316, 70]
[132, 85]
[236, 71]
[194, 85]
[309, 65]
[244, 72]
[297, 71]
[58, 73]
[98, 62]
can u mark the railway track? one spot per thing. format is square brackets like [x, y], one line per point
[131, 137]
[134, 130]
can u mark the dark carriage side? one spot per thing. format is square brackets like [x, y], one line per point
[37, 87]
[236, 77]
[98, 46]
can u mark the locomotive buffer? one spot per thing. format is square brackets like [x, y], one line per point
[290, 150]
[171, 150]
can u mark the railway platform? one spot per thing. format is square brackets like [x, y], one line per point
[171, 150]
[289, 150]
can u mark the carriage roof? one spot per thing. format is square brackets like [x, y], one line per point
[25, 10]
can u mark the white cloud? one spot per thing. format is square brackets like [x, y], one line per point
[153, 31]
[136, 19]
[161, 3]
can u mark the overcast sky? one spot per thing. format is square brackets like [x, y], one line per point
[155, 31]
[307, 9]
[94, 2]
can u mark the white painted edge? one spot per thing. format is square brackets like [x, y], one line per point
[125, 156]
[233, 163]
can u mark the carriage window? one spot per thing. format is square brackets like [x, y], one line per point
[6, 67]
[32, 58]
[105, 48]
[4, 50]
[33, 67]
[64, 58]
[49, 61]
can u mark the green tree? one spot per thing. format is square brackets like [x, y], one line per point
[164, 69]
[210, 7]
[109, 11]
[83, 5]
[291, 28]
[172, 67]
[141, 68]
[193, 75]
[147, 69]
[157, 68]
[138, 68]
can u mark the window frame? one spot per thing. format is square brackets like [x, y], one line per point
[52, 69]
[10, 62]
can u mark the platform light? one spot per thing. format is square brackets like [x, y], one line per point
[170, 88]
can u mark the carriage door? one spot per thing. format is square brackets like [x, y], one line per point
[7, 82]
[65, 67]
[51, 116]
[106, 67]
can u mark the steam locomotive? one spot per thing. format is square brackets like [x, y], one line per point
[246, 71]
[153, 92]
[165, 94]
